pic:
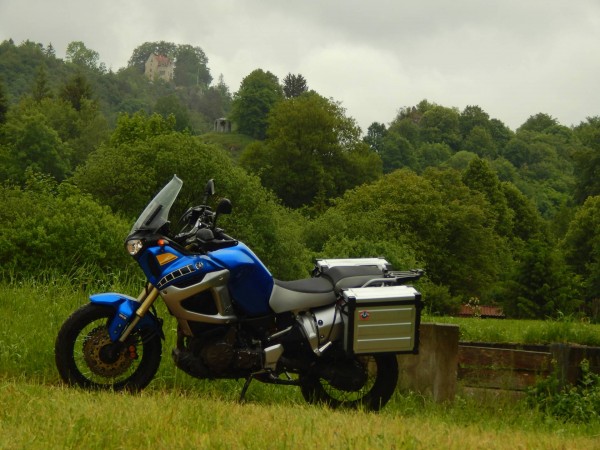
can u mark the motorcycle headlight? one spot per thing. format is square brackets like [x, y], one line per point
[134, 246]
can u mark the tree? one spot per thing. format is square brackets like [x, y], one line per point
[294, 85]
[258, 93]
[191, 67]
[541, 285]
[587, 160]
[433, 155]
[3, 103]
[41, 89]
[77, 53]
[375, 134]
[440, 125]
[471, 117]
[50, 52]
[396, 152]
[312, 153]
[170, 104]
[480, 141]
[582, 250]
[43, 225]
[480, 177]
[32, 143]
[539, 122]
[75, 90]
[501, 134]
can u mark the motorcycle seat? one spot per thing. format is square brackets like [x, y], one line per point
[344, 277]
[299, 295]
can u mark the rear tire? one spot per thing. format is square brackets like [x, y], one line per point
[381, 380]
[86, 357]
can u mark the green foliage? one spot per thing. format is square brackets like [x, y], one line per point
[435, 217]
[144, 153]
[439, 300]
[171, 105]
[440, 125]
[541, 285]
[191, 67]
[41, 88]
[3, 103]
[78, 54]
[76, 90]
[544, 166]
[294, 85]
[397, 152]
[587, 159]
[53, 227]
[480, 177]
[313, 152]
[50, 136]
[30, 142]
[539, 123]
[375, 134]
[252, 103]
[581, 247]
[579, 403]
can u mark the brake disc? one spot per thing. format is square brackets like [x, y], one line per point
[96, 355]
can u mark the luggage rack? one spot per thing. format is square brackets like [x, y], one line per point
[395, 277]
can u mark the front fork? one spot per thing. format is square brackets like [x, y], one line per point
[146, 298]
[131, 313]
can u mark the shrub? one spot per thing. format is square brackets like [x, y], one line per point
[48, 226]
[579, 403]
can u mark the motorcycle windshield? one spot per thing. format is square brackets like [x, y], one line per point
[156, 213]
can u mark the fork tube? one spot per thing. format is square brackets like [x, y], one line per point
[141, 311]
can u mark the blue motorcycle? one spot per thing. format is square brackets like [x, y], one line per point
[335, 335]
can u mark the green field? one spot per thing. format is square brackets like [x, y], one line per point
[177, 411]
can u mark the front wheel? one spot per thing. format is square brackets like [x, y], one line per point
[379, 379]
[86, 356]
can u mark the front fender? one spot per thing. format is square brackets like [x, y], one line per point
[125, 308]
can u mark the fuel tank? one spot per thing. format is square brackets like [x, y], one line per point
[250, 282]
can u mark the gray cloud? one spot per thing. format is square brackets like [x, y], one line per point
[512, 58]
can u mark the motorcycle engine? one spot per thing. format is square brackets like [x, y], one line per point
[221, 353]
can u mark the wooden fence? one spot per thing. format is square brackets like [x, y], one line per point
[443, 362]
[517, 367]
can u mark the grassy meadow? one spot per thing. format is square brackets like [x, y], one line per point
[176, 411]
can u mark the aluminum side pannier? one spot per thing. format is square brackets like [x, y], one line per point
[382, 319]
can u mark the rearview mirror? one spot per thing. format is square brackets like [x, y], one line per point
[224, 206]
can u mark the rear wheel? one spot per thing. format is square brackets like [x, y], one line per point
[378, 382]
[86, 356]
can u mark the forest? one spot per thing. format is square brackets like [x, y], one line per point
[494, 216]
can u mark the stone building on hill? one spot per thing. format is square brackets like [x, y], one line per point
[159, 66]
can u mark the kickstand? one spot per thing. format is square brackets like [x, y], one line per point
[245, 388]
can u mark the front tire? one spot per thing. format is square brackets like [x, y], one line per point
[86, 357]
[381, 372]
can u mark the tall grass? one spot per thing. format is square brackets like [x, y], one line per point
[566, 329]
[177, 411]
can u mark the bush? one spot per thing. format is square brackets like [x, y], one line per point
[580, 403]
[48, 226]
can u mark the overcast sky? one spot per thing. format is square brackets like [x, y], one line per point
[513, 58]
